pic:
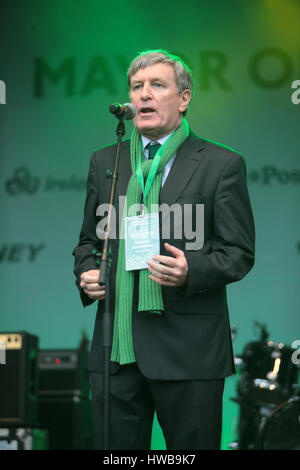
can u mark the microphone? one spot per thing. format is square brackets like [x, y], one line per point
[126, 110]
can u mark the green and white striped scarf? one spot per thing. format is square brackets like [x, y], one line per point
[150, 295]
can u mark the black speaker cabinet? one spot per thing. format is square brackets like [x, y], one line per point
[18, 379]
[64, 399]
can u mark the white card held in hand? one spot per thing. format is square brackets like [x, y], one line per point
[141, 240]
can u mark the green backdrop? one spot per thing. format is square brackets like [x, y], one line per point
[63, 63]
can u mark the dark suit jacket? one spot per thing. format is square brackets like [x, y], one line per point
[192, 338]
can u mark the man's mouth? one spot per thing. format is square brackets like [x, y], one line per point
[146, 111]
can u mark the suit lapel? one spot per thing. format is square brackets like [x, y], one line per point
[124, 170]
[184, 167]
[124, 174]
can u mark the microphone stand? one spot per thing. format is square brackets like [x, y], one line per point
[104, 279]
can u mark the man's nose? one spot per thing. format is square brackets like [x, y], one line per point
[146, 91]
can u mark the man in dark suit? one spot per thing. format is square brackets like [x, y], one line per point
[174, 362]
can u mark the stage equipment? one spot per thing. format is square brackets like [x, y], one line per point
[268, 373]
[281, 429]
[65, 408]
[18, 380]
[267, 390]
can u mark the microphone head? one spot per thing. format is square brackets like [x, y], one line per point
[124, 111]
[130, 111]
[115, 108]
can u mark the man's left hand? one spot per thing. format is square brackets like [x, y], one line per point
[171, 270]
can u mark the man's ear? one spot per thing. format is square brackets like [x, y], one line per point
[185, 98]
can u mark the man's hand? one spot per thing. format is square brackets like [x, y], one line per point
[89, 284]
[169, 271]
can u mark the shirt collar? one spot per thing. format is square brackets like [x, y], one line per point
[161, 141]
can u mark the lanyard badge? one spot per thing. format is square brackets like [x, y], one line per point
[142, 231]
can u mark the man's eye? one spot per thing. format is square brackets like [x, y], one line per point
[158, 85]
[137, 87]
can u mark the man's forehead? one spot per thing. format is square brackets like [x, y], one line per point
[159, 70]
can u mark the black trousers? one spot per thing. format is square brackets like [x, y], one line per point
[189, 412]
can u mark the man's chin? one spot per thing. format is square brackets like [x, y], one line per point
[148, 130]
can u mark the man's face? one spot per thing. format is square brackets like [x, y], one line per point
[153, 92]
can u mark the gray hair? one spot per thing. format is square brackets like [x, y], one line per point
[183, 74]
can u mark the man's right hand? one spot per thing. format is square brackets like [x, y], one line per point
[89, 284]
